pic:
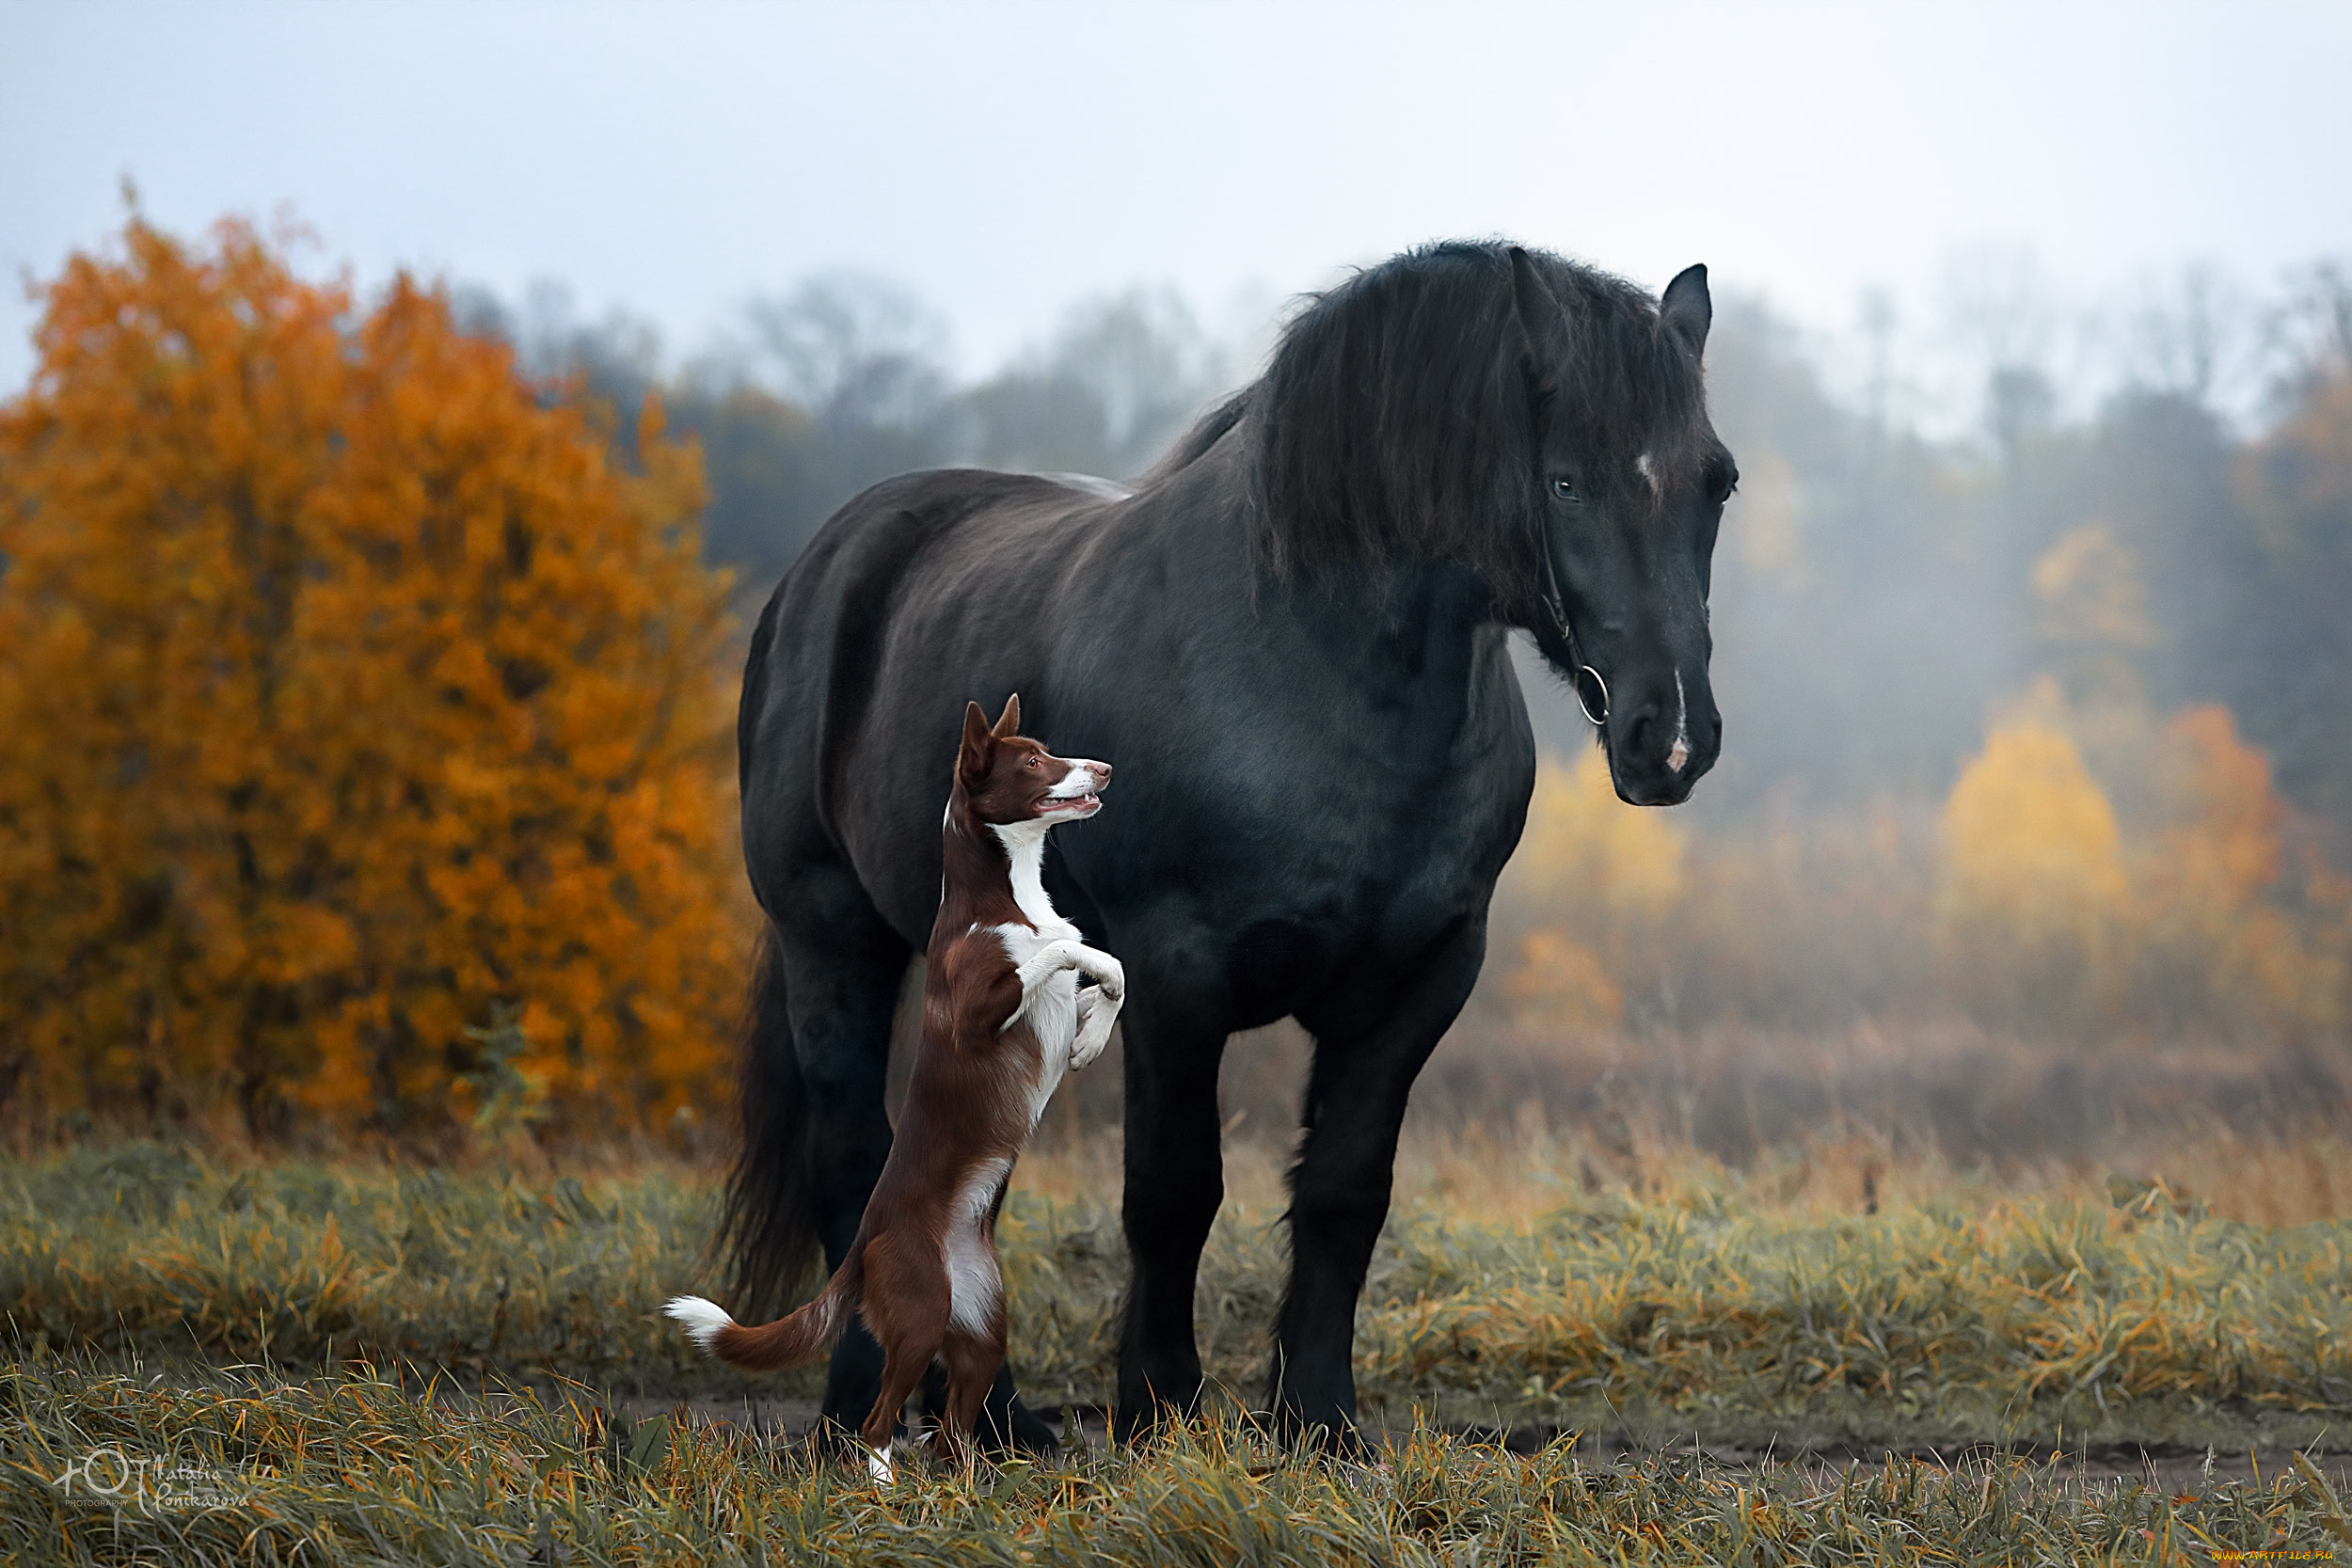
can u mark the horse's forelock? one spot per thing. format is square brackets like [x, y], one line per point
[1396, 421]
[1632, 389]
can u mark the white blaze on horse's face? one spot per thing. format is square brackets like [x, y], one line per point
[1680, 753]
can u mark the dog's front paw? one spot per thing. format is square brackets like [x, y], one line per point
[1095, 1017]
[1087, 1043]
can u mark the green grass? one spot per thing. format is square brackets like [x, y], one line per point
[353, 1468]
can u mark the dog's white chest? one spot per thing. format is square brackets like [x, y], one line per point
[1051, 1011]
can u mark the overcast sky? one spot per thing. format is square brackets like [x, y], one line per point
[1002, 160]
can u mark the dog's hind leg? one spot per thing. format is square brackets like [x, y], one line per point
[907, 1303]
[973, 1359]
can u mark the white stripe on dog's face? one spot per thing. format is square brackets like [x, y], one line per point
[1080, 779]
[1079, 790]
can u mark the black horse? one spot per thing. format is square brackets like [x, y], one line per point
[1291, 639]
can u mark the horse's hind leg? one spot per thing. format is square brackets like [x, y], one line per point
[1373, 1033]
[842, 967]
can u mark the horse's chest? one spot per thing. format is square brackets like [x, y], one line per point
[1378, 851]
[1388, 834]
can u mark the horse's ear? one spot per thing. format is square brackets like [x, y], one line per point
[1686, 310]
[1541, 316]
[1008, 722]
[978, 750]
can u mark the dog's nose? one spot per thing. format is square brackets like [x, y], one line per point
[1102, 771]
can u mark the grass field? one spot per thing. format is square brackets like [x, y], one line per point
[353, 1468]
[271, 1330]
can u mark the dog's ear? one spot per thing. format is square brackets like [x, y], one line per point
[978, 751]
[1008, 722]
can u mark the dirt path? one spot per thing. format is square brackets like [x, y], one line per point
[2175, 1469]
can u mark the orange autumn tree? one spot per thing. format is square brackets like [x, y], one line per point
[352, 698]
[2033, 899]
[2222, 950]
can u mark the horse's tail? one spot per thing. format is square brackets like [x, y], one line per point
[804, 1336]
[767, 1236]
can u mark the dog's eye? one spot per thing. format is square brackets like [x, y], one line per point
[1031, 763]
[1565, 487]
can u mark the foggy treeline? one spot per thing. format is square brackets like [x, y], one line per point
[2000, 677]
[2037, 757]
[843, 380]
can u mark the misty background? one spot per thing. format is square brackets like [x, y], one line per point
[2033, 340]
[1877, 597]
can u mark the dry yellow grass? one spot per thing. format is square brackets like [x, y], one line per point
[356, 1468]
[1517, 1175]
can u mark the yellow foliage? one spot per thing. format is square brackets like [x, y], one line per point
[2086, 588]
[2033, 889]
[348, 691]
[2091, 618]
[2218, 944]
[1559, 983]
[1590, 884]
[1587, 848]
[2044, 908]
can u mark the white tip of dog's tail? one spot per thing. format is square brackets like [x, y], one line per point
[703, 1319]
[878, 1465]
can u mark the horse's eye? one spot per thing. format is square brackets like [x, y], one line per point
[1565, 487]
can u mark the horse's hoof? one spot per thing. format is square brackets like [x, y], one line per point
[1023, 1431]
[1332, 1434]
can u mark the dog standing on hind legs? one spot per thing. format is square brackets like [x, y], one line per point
[1004, 1017]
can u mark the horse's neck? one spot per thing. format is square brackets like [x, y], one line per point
[1407, 615]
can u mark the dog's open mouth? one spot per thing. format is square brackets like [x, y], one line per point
[1087, 805]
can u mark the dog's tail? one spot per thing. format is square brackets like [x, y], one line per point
[805, 1336]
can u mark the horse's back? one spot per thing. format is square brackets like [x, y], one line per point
[832, 657]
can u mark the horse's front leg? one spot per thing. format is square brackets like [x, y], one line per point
[1175, 1179]
[1371, 1041]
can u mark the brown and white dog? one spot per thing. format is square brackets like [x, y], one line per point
[1003, 1018]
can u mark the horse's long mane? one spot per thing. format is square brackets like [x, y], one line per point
[1398, 416]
